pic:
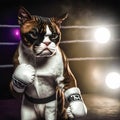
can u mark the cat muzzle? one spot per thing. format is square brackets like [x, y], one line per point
[45, 53]
[44, 50]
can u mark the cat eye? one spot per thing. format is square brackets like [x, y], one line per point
[33, 33]
[53, 36]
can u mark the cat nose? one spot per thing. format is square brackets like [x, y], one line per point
[46, 43]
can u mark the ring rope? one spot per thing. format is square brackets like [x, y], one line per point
[71, 26]
[62, 42]
[76, 59]
[67, 41]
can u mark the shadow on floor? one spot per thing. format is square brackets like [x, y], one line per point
[99, 108]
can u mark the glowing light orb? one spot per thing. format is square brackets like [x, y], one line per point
[113, 80]
[102, 35]
[16, 33]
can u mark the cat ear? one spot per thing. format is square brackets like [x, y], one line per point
[60, 19]
[23, 15]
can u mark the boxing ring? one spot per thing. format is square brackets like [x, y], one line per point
[95, 110]
[63, 42]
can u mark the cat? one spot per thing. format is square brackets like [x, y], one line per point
[42, 75]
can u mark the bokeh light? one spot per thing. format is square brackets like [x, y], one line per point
[102, 35]
[16, 33]
[113, 80]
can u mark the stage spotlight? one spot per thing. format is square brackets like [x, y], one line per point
[102, 35]
[113, 80]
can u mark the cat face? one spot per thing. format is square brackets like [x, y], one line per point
[40, 35]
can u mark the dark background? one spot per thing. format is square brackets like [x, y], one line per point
[102, 102]
[81, 12]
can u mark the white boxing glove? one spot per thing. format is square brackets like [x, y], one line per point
[23, 75]
[76, 108]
